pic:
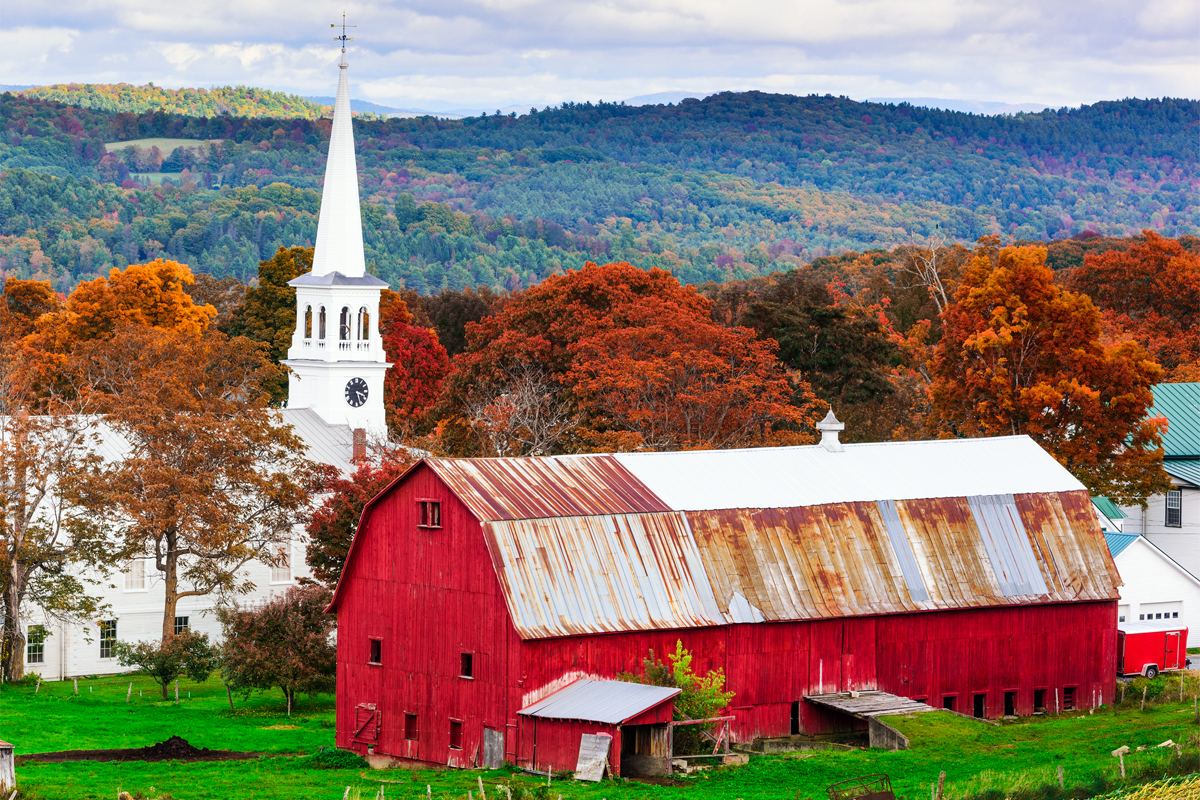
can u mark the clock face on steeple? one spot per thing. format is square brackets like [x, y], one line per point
[356, 392]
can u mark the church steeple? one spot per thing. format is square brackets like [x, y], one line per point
[339, 228]
[337, 359]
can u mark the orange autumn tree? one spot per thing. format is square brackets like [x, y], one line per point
[674, 382]
[154, 295]
[211, 478]
[1150, 293]
[1019, 355]
[519, 388]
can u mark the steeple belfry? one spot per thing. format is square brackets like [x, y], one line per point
[337, 360]
[339, 228]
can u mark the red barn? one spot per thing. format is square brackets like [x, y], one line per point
[970, 574]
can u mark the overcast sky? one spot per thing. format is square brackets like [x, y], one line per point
[453, 53]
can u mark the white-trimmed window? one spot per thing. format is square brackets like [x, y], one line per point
[35, 644]
[108, 637]
[135, 575]
[182, 625]
[281, 571]
[1175, 508]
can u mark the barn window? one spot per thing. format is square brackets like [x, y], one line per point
[466, 665]
[948, 701]
[108, 637]
[924, 700]
[1039, 700]
[376, 652]
[431, 513]
[410, 727]
[35, 644]
[979, 706]
[1175, 508]
[1010, 704]
[1069, 698]
[455, 734]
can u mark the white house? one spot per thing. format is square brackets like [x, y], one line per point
[335, 402]
[1171, 521]
[1154, 587]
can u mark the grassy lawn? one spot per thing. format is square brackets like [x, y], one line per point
[1016, 759]
[167, 146]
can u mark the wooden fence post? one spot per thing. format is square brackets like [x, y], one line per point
[76, 681]
[129, 693]
[1121, 758]
[941, 786]
[1061, 785]
[1144, 690]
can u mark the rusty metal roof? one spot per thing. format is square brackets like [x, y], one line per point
[611, 702]
[531, 488]
[598, 574]
[593, 544]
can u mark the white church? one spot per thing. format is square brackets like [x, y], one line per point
[335, 403]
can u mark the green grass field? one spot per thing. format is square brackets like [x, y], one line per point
[167, 146]
[1017, 759]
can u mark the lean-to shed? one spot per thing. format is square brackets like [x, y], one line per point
[970, 574]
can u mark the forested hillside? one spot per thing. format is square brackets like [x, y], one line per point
[735, 186]
[220, 101]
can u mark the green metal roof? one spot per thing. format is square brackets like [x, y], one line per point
[1187, 469]
[1117, 542]
[1180, 404]
[1108, 508]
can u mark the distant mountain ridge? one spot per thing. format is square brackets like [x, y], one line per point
[984, 107]
[219, 101]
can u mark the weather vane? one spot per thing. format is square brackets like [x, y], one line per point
[343, 38]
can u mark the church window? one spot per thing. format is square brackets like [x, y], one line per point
[108, 637]
[35, 644]
[135, 575]
[344, 325]
[321, 324]
[281, 571]
[364, 324]
[308, 322]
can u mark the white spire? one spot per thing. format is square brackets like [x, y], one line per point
[339, 228]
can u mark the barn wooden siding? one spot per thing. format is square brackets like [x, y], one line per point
[432, 594]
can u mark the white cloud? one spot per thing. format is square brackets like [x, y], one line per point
[462, 52]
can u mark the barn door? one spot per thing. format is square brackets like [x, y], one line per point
[493, 749]
[1171, 658]
[366, 724]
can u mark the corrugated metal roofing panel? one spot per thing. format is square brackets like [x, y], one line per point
[1008, 545]
[903, 550]
[787, 477]
[1187, 470]
[596, 574]
[1180, 404]
[610, 702]
[534, 488]
[1117, 542]
[325, 443]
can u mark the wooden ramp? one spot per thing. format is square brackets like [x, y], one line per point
[868, 704]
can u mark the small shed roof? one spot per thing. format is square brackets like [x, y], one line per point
[610, 702]
[1108, 508]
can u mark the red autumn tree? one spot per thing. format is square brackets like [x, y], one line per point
[676, 382]
[1019, 355]
[419, 367]
[1150, 293]
[286, 642]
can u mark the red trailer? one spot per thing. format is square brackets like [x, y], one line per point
[1148, 648]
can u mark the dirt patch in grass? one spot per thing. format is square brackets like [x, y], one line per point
[173, 749]
[281, 727]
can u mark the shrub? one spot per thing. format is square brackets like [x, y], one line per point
[184, 653]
